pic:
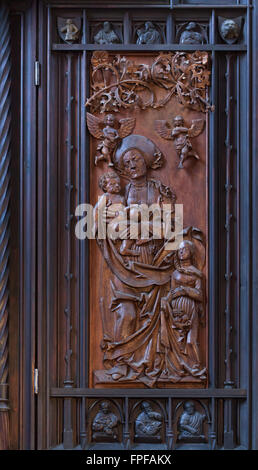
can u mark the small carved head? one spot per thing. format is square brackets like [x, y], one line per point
[230, 29]
[145, 406]
[191, 26]
[110, 120]
[185, 250]
[149, 26]
[178, 121]
[106, 26]
[105, 407]
[189, 407]
[69, 21]
[110, 183]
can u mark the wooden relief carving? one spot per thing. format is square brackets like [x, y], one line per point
[148, 34]
[181, 135]
[106, 35]
[148, 423]
[191, 423]
[192, 33]
[151, 301]
[111, 131]
[104, 424]
[230, 28]
[69, 29]
[121, 83]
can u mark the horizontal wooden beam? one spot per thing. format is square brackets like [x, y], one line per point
[150, 48]
[149, 393]
[149, 6]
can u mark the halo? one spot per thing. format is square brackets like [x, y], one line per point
[151, 154]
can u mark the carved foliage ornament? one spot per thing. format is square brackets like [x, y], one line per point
[120, 83]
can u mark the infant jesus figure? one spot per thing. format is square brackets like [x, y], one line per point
[115, 205]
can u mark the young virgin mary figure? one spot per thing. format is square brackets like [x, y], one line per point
[182, 313]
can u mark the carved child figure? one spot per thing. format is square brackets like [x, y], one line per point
[180, 134]
[111, 137]
[111, 186]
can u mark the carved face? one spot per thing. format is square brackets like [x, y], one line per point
[110, 120]
[230, 29]
[191, 26]
[134, 164]
[112, 185]
[189, 408]
[106, 26]
[104, 407]
[178, 121]
[148, 26]
[184, 251]
[146, 407]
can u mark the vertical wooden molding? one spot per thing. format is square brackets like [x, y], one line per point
[68, 382]
[229, 438]
[228, 188]
[5, 140]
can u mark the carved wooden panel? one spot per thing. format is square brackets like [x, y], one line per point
[111, 329]
[148, 119]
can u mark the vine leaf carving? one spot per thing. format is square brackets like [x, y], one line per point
[120, 83]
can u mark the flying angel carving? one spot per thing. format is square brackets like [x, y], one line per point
[181, 136]
[111, 131]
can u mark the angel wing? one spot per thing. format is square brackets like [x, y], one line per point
[126, 127]
[95, 126]
[196, 127]
[163, 128]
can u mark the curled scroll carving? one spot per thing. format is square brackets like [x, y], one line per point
[120, 83]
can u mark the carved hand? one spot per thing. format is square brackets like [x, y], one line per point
[178, 292]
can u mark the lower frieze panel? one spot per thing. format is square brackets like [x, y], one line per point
[151, 422]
